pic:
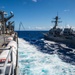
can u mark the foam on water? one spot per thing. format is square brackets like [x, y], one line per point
[34, 62]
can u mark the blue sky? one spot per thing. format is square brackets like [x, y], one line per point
[38, 14]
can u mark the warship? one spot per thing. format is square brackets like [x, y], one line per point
[66, 35]
[8, 45]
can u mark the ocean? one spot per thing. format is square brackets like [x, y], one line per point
[38, 56]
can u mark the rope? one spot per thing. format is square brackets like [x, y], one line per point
[20, 26]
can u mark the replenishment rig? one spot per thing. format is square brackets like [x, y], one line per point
[8, 45]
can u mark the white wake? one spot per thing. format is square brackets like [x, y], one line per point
[34, 62]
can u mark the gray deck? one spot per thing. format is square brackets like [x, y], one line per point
[2, 38]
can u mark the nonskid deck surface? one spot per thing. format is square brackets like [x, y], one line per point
[3, 41]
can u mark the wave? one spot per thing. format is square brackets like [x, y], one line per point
[32, 61]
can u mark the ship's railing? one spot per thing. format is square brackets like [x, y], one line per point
[16, 73]
[4, 65]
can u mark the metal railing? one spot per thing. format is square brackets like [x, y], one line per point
[3, 68]
[16, 73]
[3, 65]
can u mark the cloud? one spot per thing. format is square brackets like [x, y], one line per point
[34, 0]
[37, 28]
[67, 10]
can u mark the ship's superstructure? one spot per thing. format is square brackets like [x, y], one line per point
[59, 35]
[8, 45]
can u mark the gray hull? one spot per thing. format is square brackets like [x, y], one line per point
[59, 39]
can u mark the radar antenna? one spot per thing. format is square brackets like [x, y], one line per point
[56, 21]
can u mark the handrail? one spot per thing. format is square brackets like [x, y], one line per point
[16, 55]
[6, 63]
[3, 68]
[5, 48]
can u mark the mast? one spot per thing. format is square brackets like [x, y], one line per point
[56, 22]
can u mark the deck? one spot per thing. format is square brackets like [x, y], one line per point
[7, 54]
[3, 41]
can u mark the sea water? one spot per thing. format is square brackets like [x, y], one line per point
[42, 57]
